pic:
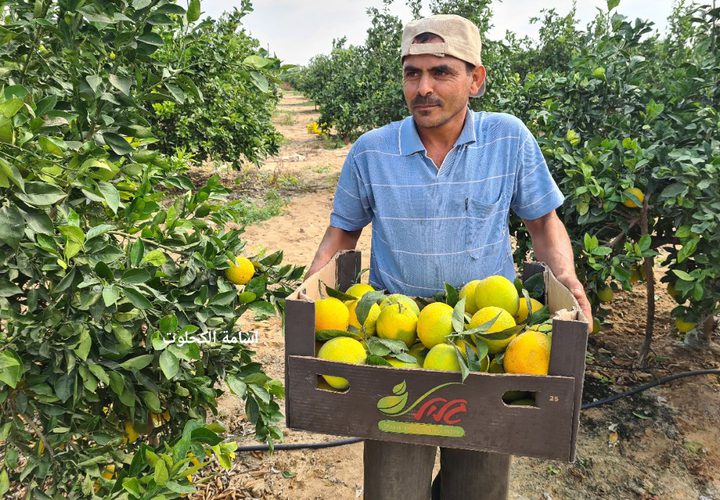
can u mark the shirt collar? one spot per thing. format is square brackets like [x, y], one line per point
[410, 139]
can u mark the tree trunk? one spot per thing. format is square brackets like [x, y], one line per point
[708, 327]
[648, 266]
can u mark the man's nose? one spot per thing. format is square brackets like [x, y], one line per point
[425, 85]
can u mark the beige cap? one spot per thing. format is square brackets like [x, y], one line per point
[461, 39]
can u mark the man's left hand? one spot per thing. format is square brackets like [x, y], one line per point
[576, 288]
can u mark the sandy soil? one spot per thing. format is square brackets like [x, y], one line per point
[661, 444]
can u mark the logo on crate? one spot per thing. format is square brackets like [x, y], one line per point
[429, 415]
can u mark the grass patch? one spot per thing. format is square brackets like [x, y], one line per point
[252, 211]
[286, 118]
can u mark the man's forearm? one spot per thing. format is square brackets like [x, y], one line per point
[334, 240]
[551, 245]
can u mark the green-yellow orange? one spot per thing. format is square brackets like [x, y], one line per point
[370, 320]
[503, 322]
[396, 322]
[331, 314]
[346, 350]
[605, 294]
[398, 298]
[684, 326]
[240, 271]
[418, 351]
[522, 313]
[401, 364]
[497, 291]
[359, 289]
[434, 323]
[467, 292]
[442, 357]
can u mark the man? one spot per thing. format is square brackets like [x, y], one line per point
[438, 187]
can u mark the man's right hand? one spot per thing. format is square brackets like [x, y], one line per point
[335, 239]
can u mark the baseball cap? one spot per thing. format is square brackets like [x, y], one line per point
[461, 39]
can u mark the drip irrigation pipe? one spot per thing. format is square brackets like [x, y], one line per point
[593, 404]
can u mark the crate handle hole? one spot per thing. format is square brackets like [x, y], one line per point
[335, 385]
[520, 398]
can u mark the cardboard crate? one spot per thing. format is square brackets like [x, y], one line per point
[440, 410]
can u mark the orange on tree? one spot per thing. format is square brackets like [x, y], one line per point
[396, 322]
[528, 353]
[345, 349]
[442, 357]
[497, 291]
[638, 194]
[240, 271]
[434, 323]
[684, 326]
[605, 294]
[331, 314]
[503, 322]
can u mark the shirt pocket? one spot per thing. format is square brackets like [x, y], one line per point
[483, 230]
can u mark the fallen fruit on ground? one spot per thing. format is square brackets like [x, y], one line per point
[502, 322]
[497, 291]
[346, 350]
[434, 323]
[331, 314]
[241, 271]
[528, 353]
[397, 322]
[442, 357]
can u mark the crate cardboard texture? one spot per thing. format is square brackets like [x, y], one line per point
[434, 407]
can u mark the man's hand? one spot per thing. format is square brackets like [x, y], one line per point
[335, 239]
[576, 288]
[551, 245]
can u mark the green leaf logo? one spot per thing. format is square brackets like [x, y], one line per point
[392, 405]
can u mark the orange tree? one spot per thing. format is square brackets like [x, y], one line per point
[107, 253]
[628, 122]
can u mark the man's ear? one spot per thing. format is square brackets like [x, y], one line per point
[478, 78]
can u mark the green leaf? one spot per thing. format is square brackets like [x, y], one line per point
[152, 39]
[136, 276]
[8, 288]
[117, 143]
[98, 230]
[365, 304]
[4, 482]
[12, 173]
[111, 195]
[161, 473]
[176, 92]
[263, 310]
[12, 226]
[41, 194]
[94, 81]
[11, 367]
[151, 400]
[136, 298]
[122, 83]
[375, 360]
[452, 295]
[137, 251]
[458, 317]
[237, 386]
[323, 335]
[169, 364]
[683, 275]
[155, 257]
[10, 108]
[332, 292]
[137, 363]
[611, 4]
[193, 11]
[99, 372]
[110, 295]
[674, 190]
[260, 81]
[82, 349]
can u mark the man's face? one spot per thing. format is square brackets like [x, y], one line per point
[437, 88]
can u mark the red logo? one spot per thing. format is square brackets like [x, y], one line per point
[442, 410]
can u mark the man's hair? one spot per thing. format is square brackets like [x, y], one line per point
[428, 37]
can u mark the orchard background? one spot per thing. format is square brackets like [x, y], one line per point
[137, 141]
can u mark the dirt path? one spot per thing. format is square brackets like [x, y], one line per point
[663, 444]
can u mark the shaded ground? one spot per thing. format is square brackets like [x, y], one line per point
[663, 443]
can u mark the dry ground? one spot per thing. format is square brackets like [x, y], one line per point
[663, 444]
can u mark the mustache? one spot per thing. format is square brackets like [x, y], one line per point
[426, 101]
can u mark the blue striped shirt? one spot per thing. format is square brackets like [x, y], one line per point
[430, 225]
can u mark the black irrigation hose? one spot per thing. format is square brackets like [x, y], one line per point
[343, 442]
